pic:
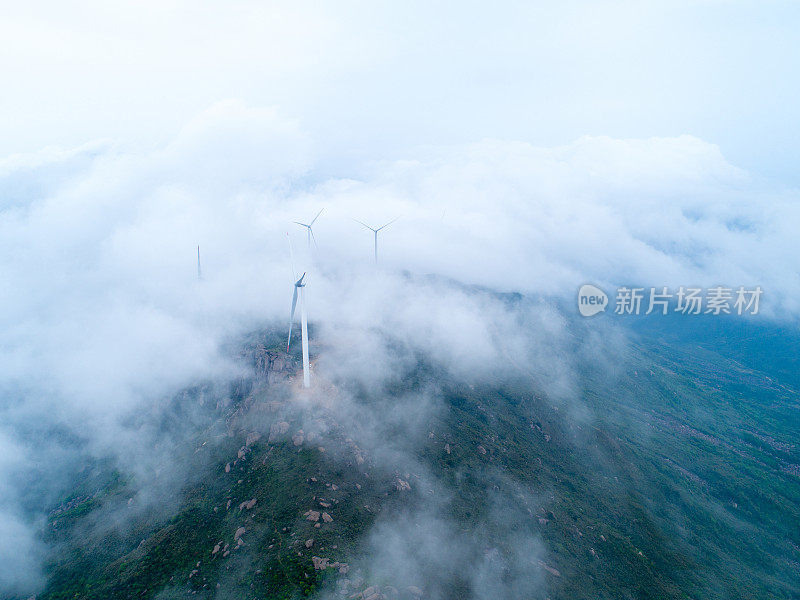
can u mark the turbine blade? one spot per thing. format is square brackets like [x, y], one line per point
[389, 223]
[311, 231]
[299, 223]
[364, 224]
[291, 317]
[291, 254]
[294, 304]
[317, 217]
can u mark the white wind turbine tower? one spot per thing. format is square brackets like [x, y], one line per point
[300, 286]
[375, 231]
[199, 272]
[308, 228]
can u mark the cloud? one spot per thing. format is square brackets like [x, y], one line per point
[22, 551]
[102, 314]
[378, 80]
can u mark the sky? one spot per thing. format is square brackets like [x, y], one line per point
[524, 147]
[379, 80]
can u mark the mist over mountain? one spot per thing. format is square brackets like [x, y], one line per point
[467, 433]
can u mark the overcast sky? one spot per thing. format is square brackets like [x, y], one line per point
[378, 79]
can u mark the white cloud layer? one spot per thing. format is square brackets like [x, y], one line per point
[525, 146]
[101, 311]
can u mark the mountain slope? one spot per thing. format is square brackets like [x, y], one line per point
[674, 475]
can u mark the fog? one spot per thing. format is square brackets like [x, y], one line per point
[102, 313]
[103, 205]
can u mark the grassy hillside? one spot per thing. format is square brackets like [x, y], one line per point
[676, 477]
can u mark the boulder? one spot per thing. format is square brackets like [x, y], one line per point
[276, 430]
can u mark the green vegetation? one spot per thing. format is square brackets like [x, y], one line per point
[674, 478]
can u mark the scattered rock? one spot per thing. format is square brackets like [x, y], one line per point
[549, 569]
[252, 438]
[228, 468]
[481, 449]
[247, 505]
[216, 549]
[309, 543]
[297, 438]
[447, 448]
[239, 533]
[277, 430]
[402, 485]
[311, 515]
[327, 518]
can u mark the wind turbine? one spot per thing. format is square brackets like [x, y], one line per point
[375, 231]
[308, 227]
[199, 272]
[300, 289]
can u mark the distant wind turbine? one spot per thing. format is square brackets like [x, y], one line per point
[300, 289]
[199, 272]
[308, 228]
[375, 231]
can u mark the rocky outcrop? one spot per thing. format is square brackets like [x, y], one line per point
[325, 563]
[277, 430]
[247, 505]
[269, 365]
